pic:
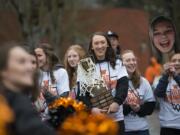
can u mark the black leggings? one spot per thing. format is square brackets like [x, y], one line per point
[121, 127]
[169, 131]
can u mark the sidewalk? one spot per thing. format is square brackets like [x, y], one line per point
[154, 123]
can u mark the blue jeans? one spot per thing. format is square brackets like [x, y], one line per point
[144, 132]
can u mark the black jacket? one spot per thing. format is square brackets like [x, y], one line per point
[26, 120]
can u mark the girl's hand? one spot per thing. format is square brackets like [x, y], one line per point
[135, 107]
[98, 111]
[169, 68]
[46, 89]
[113, 108]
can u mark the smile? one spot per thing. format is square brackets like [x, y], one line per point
[101, 50]
[131, 67]
[165, 44]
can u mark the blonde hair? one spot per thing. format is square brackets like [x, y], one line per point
[136, 76]
[72, 71]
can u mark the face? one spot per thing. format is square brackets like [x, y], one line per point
[164, 36]
[41, 56]
[19, 71]
[99, 46]
[73, 58]
[114, 42]
[130, 62]
[33, 62]
[176, 62]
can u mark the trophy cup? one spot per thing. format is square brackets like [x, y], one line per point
[90, 81]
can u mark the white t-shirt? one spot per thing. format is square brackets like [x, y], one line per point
[139, 96]
[61, 84]
[169, 114]
[110, 77]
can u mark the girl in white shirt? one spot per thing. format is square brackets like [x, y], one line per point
[168, 94]
[54, 81]
[72, 57]
[140, 101]
[114, 75]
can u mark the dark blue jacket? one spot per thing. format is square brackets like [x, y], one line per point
[160, 90]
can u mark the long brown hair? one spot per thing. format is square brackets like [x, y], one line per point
[110, 54]
[51, 57]
[153, 23]
[136, 76]
[72, 71]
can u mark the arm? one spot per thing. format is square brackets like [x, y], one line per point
[160, 90]
[126, 109]
[146, 109]
[49, 97]
[121, 90]
[148, 98]
[177, 79]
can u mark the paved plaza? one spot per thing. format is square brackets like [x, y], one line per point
[154, 123]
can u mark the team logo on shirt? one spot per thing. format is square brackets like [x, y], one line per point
[110, 83]
[133, 97]
[173, 97]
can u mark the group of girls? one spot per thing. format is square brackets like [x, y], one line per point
[133, 95]
[35, 76]
[164, 38]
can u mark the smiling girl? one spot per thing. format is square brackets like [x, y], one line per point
[51, 74]
[163, 37]
[140, 101]
[168, 93]
[114, 75]
[53, 80]
[72, 57]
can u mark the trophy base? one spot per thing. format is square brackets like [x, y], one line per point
[103, 99]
